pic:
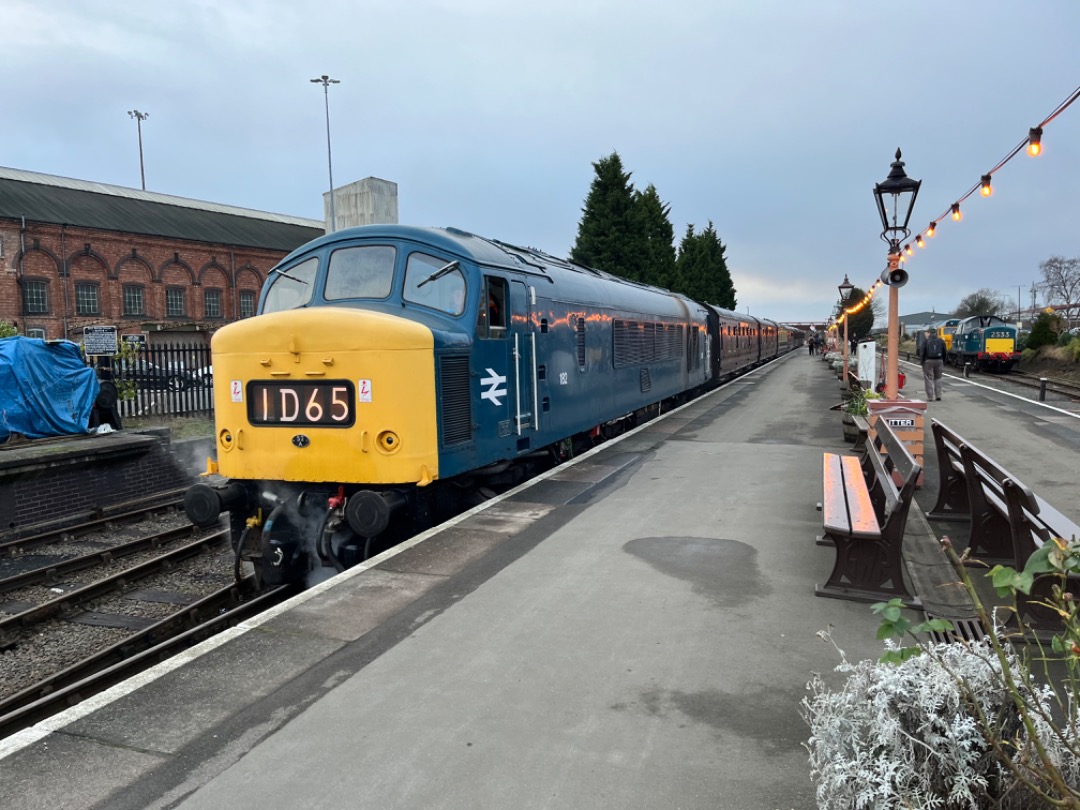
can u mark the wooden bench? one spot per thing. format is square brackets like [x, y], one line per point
[865, 509]
[1003, 506]
[971, 488]
[864, 432]
[1035, 522]
[952, 500]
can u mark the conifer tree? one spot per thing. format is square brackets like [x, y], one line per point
[658, 267]
[610, 236]
[862, 322]
[701, 269]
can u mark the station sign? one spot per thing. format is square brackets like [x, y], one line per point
[136, 341]
[99, 340]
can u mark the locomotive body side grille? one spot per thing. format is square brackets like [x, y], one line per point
[454, 403]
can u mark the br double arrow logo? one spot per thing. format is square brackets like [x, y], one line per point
[496, 386]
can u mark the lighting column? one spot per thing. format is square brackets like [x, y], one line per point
[139, 118]
[326, 81]
[895, 200]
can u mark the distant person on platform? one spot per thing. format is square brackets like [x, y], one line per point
[810, 344]
[932, 357]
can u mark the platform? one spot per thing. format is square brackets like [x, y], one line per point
[635, 629]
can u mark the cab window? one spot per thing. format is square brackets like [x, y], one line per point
[363, 271]
[491, 321]
[435, 283]
[291, 287]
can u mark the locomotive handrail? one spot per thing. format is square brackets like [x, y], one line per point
[536, 385]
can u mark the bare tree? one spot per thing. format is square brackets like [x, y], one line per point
[981, 302]
[1061, 278]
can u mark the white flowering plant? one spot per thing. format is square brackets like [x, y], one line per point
[957, 724]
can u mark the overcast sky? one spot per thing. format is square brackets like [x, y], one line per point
[772, 119]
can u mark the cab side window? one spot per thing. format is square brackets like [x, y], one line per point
[492, 320]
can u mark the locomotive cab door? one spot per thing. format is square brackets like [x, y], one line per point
[522, 347]
[506, 361]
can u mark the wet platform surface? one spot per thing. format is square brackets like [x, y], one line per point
[634, 630]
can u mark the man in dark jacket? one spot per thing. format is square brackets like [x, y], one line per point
[932, 357]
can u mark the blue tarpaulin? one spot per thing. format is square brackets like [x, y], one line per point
[46, 388]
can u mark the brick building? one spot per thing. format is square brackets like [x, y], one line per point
[75, 253]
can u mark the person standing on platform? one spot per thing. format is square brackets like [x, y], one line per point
[932, 358]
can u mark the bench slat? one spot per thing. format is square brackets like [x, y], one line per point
[834, 504]
[864, 522]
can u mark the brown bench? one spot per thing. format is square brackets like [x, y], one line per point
[1035, 522]
[1004, 507]
[971, 487]
[863, 427]
[865, 509]
[952, 500]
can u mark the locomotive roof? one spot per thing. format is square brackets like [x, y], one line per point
[488, 252]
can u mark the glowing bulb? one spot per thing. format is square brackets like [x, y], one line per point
[1035, 141]
[931, 229]
[919, 241]
[986, 189]
[907, 249]
[956, 215]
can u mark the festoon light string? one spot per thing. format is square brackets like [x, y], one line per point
[1033, 142]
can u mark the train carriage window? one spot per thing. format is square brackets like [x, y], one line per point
[435, 283]
[291, 287]
[491, 321]
[362, 271]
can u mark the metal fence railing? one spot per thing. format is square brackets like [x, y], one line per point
[163, 381]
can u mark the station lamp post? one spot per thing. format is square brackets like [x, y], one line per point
[895, 201]
[845, 294]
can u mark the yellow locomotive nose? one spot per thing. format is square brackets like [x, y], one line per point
[326, 395]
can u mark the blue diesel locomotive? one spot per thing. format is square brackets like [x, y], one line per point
[987, 342]
[388, 364]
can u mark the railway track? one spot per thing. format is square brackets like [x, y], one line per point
[220, 610]
[74, 525]
[1057, 386]
[84, 607]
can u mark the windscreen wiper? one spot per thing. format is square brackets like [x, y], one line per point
[442, 271]
[291, 278]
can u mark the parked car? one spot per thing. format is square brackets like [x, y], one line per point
[204, 376]
[152, 377]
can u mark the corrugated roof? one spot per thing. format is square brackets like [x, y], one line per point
[62, 200]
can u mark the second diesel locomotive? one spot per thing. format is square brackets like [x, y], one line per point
[987, 342]
[388, 364]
